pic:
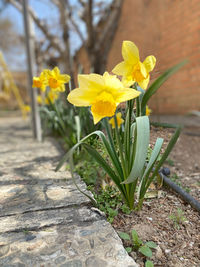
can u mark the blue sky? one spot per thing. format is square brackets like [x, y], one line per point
[44, 10]
[48, 12]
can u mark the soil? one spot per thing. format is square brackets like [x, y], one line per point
[178, 243]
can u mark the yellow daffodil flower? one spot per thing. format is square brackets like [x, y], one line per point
[102, 92]
[148, 111]
[51, 97]
[56, 80]
[119, 120]
[132, 69]
[40, 82]
[40, 100]
[27, 108]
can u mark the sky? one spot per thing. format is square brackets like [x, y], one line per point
[45, 11]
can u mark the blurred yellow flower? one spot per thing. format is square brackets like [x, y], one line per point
[132, 69]
[40, 99]
[26, 108]
[148, 111]
[51, 97]
[40, 82]
[119, 120]
[56, 81]
[102, 92]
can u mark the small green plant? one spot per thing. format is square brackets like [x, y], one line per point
[178, 218]
[26, 231]
[109, 200]
[170, 162]
[138, 245]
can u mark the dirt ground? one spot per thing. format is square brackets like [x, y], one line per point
[178, 243]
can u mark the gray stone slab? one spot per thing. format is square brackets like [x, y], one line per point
[44, 219]
[36, 194]
[93, 245]
[40, 219]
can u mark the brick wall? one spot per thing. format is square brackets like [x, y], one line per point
[169, 30]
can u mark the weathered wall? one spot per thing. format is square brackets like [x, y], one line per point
[169, 30]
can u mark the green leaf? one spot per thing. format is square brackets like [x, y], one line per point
[137, 242]
[158, 82]
[78, 128]
[141, 148]
[149, 264]
[151, 244]
[128, 249]
[146, 251]
[107, 146]
[165, 154]
[154, 155]
[99, 159]
[124, 236]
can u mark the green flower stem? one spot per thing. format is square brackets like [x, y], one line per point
[138, 104]
[60, 118]
[127, 132]
[110, 138]
[120, 148]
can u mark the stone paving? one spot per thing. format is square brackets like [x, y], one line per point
[44, 220]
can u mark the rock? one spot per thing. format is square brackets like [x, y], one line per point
[95, 261]
[159, 252]
[4, 250]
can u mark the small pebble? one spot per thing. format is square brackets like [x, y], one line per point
[167, 251]
[30, 237]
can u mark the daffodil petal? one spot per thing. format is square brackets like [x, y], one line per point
[56, 71]
[127, 81]
[149, 63]
[93, 82]
[144, 83]
[111, 82]
[96, 117]
[79, 98]
[130, 52]
[127, 94]
[64, 78]
[123, 68]
[143, 70]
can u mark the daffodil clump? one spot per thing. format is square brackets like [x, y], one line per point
[52, 79]
[50, 84]
[127, 147]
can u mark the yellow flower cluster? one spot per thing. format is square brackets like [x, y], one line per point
[54, 80]
[103, 93]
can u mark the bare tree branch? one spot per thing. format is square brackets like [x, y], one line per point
[111, 25]
[53, 39]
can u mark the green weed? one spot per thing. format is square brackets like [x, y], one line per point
[136, 244]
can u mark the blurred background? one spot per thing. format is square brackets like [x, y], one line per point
[87, 35]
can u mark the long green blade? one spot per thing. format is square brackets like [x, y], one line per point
[78, 127]
[154, 155]
[141, 147]
[158, 82]
[115, 161]
[166, 153]
[103, 164]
